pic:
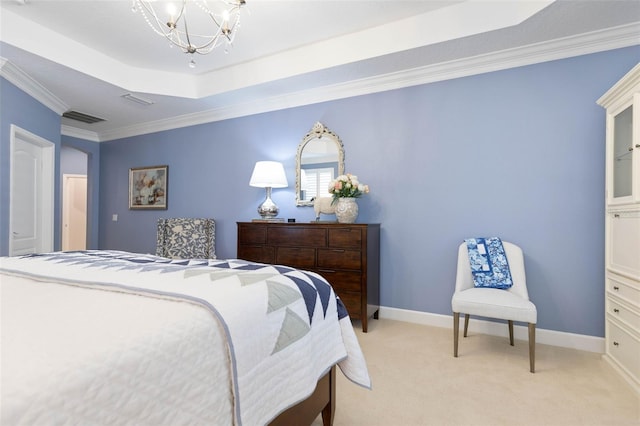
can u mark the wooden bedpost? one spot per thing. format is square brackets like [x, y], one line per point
[330, 409]
[321, 401]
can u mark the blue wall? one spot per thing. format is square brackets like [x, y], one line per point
[72, 161]
[25, 112]
[517, 153]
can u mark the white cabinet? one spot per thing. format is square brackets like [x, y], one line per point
[622, 227]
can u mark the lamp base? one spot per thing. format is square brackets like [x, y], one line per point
[268, 209]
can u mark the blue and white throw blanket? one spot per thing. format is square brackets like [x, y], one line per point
[284, 327]
[489, 265]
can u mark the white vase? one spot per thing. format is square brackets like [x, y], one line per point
[346, 210]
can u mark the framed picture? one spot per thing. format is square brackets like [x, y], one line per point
[148, 187]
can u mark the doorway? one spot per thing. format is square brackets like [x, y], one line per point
[74, 212]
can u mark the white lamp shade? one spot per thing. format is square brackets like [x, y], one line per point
[268, 174]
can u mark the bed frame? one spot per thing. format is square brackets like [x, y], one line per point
[322, 400]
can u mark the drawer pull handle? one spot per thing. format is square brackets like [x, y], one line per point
[616, 288]
[331, 271]
[616, 215]
[338, 251]
[616, 310]
[616, 344]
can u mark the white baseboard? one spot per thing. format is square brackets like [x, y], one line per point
[476, 325]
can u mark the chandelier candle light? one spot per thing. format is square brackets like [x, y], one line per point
[268, 174]
[210, 23]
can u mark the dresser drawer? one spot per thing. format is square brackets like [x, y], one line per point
[624, 348]
[345, 238]
[342, 280]
[623, 288]
[295, 256]
[259, 254]
[251, 234]
[297, 236]
[352, 303]
[339, 259]
[623, 314]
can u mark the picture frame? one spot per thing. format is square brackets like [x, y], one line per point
[148, 188]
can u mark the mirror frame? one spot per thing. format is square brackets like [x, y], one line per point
[318, 131]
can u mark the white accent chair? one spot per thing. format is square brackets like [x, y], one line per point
[512, 304]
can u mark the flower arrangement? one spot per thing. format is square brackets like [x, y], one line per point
[347, 186]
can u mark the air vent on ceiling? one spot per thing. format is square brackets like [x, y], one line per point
[137, 99]
[79, 116]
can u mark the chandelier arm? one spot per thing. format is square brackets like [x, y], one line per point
[190, 48]
[146, 11]
[183, 12]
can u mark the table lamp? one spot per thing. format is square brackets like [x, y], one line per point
[268, 174]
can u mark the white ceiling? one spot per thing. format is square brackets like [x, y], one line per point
[84, 55]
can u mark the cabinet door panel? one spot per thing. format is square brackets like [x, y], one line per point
[339, 259]
[296, 257]
[624, 240]
[624, 347]
[623, 154]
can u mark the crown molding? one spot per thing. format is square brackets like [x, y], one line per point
[24, 82]
[74, 132]
[598, 41]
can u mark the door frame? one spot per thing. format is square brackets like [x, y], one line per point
[46, 182]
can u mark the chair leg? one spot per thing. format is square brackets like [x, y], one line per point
[511, 332]
[532, 348]
[456, 329]
[466, 324]
[456, 326]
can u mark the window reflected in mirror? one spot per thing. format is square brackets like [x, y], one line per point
[315, 182]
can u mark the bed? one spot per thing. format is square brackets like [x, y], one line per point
[111, 337]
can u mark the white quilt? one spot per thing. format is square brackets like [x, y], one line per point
[117, 344]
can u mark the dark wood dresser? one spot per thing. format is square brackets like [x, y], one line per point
[347, 255]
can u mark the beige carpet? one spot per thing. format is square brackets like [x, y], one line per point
[417, 381]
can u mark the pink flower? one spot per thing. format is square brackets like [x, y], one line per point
[347, 186]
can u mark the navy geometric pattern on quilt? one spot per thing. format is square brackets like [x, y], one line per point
[488, 261]
[186, 238]
[311, 288]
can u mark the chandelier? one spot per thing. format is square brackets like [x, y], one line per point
[210, 24]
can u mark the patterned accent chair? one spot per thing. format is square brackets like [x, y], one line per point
[186, 238]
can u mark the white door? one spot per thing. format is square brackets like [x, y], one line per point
[31, 193]
[74, 212]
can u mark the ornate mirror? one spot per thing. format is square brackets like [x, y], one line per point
[320, 159]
